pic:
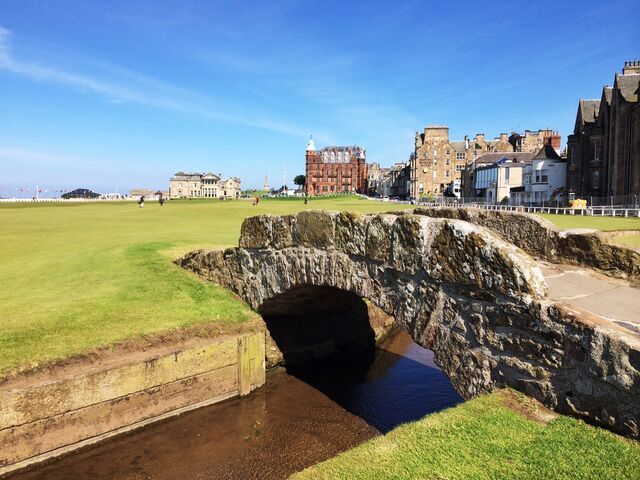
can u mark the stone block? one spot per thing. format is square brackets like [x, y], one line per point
[314, 228]
[379, 233]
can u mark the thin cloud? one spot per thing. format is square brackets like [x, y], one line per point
[143, 91]
[21, 156]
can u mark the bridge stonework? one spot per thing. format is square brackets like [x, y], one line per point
[479, 302]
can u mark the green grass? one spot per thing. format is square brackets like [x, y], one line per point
[565, 222]
[631, 240]
[78, 276]
[484, 439]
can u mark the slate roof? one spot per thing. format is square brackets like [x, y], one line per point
[493, 157]
[607, 91]
[459, 146]
[547, 152]
[589, 110]
[629, 86]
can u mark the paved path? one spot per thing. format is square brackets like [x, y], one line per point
[610, 298]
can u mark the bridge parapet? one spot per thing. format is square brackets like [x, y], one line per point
[541, 238]
[476, 300]
[444, 249]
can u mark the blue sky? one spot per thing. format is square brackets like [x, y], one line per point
[104, 93]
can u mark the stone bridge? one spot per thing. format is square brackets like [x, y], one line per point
[459, 285]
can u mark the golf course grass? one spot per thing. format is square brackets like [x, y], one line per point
[495, 436]
[77, 276]
[605, 224]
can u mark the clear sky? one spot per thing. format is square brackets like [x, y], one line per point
[103, 93]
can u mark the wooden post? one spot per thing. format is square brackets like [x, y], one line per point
[251, 364]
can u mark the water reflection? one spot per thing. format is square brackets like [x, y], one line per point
[400, 384]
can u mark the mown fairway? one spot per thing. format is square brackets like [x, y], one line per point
[77, 276]
[565, 222]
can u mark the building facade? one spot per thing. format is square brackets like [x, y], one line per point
[438, 163]
[494, 182]
[335, 170]
[203, 185]
[604, 150]
[470, 187]
[545, 178]
[532, 141]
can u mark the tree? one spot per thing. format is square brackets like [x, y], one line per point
[300, 180]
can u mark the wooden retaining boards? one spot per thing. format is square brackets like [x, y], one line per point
[55, 416]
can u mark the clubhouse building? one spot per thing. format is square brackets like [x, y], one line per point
[203, 185]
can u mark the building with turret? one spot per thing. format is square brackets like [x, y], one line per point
[335, 170]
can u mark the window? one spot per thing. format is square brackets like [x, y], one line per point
[435, 152]
[446, 173]
[506, 174]
[459, 156]
[325, 188]
[448, 161]
[596, 178]
[596, 151]
[541, 176]
[459, 168]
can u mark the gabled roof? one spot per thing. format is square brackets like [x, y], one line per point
[606, 94]
[547, 152]
[589, 110]
[629, 86]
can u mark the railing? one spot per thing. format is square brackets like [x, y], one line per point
[627, 208]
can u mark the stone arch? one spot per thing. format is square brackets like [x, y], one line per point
[317, 324]
[458, 289]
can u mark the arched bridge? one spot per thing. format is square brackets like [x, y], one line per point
[460, 289]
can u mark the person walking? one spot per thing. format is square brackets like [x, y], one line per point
[141, 201]
[161, 200]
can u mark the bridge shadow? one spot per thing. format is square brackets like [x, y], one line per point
[327, 341]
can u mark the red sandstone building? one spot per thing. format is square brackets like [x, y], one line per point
[335, 170]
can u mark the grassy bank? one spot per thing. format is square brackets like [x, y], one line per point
[497, 436]
[77, 276]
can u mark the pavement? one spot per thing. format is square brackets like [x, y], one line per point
[612, 299]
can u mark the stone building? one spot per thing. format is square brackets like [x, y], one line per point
[374, 172]
[438, 162]
[203, 185]
[604, 149]
[532, 142]
[335, 170]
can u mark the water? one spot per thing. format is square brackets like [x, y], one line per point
[290, 423]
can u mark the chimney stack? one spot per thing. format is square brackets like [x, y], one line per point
[631, 67]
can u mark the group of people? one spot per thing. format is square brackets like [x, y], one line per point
[141, 201]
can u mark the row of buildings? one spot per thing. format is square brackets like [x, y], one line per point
[435, 168]
[440, 166]
[603, 158]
